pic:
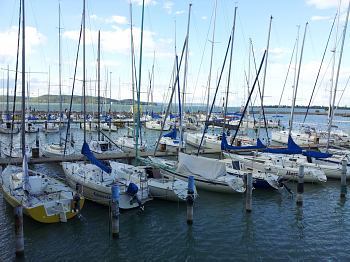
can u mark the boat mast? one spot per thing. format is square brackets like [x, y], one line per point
[98, 87]
[296, 83]
[48, 97]
[211, 58]
[23, 84]
[132, 72]
[84, 102]
[7, 96]
[59, 69]
[185, 78]
[138, 131]
[59, 59]
[337, 76]
[229, 69]
[110, 92]
[264, 79]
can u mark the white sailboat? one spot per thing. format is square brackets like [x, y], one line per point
[278, 165]
[42, 197]
[97, 184]
[62, 147]
[209, 174]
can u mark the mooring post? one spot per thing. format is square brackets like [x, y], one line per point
[115, 211]
[19, 236]
[300, 188]
[37, 139]
[249, 192]
[343, 189]
[190, 200]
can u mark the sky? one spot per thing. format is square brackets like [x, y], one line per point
[165, 26]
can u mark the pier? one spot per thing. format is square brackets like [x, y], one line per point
[123, 155]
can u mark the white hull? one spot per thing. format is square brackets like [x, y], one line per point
[157, 125]
[97, 185]
[57, 150]
[168, 144]
[127, 144]
[300, 139]
[219, 185]
[279, 167]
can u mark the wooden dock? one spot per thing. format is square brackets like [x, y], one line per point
[112, 156]
[117, 156]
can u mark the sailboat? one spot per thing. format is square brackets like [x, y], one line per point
[60, 148]
[50, 125]
[97, 177]
[7, 126]
[129, 143]
[43, 198]
[101, 146]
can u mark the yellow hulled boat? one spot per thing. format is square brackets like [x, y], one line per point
[43, 198]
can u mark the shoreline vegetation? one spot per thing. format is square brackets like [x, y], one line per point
[43, 99]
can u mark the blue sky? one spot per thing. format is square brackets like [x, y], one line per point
[112, 18]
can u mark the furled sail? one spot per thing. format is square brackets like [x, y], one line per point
[91, 157]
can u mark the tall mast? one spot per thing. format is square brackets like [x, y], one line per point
[98, 86]
[337, 76]
[229, 69]
[265, 69]
[132, 71]
[138, 131]
[211, 58]
[185, 76]
[48, 96]
[59, 61]
[8, 88]
[296, 84]
[110, 92]
[23, 83]
[84, 102]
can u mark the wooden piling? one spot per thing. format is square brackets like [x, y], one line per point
[249, 192]
[300, 188]
[343, 189]
[19, 235]
[115, 211]
[190, 200]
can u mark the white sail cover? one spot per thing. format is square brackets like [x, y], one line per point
[202, 166]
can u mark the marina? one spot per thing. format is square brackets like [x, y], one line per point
[87, 177]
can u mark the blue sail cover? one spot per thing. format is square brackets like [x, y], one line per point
[91, 157]
[226, 146]
[107, 118]
[32, 118]
[316, 154]
[155, 116]
[292, 148]
[172, 134]
[51, 117]
[172, 116]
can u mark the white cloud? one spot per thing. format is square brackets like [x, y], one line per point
[118, 41]
[323, 4]
[93, 17]
[168, 6]
[319, 18]
[180, 12]
[121, 20]
[204, 17]
[8, 43]
[147, 2]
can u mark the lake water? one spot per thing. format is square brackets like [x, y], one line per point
[276, 229]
